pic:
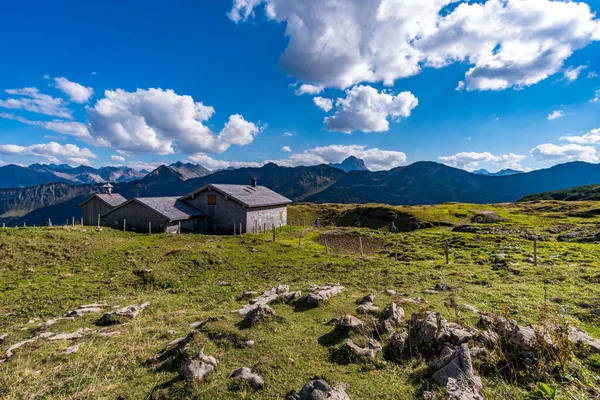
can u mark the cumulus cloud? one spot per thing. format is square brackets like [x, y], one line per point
[592, 74]
[365, 109]
[76, 92]
[30, 99]
[287, 149]
[158, 121]
[556, 114]
[53, 152]
[375, 159]
[508, 43]
[76, 129]
[592, 137]
[568, 152]
[116, 158]
[323, 103]
[572, 73]
[288, 134]
[471, 160]
[596, 98]
[309, 89]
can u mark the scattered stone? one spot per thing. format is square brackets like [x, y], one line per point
[322, 293]
[462, 389]
[249, 294]
[109, 334]
[117, 316]
[391, 292]
[249, 343]
[53, 321]
[370, 298]
[398, 339]
[3, 338]
[45, 335]
[246, 374]
[71, 349]
[430, 291]
[430, 396]
[458, 366]
[267, 297]
[459, 334]
[580, 337]
[289, 296]
[471, 308]
[259, 314]
[198, 367]
[488, 338]
[432, 327]
[319, 389]
[371, 350]
[414, 300]
[393, 316]
[10, 351]
[172, 332]
[78, 334]
[367, 308]
[350, 321]
[82, 311]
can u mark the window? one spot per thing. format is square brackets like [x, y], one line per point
[212, 200]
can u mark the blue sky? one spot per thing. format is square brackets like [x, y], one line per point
[389, 81]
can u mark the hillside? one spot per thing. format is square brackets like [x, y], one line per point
[191, 283]
[578, 193]
[14, 176]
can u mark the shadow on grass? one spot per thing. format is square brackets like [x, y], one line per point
[300, 306]
[335, 337]
[162, 391]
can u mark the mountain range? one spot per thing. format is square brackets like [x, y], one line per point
[503, 172]
[351, 164]
[418, 183]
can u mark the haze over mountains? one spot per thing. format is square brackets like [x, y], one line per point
[418, 183]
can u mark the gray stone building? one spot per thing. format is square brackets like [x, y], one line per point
[252, 207]
[99, 204]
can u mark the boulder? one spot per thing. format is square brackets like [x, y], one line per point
[258, 314]
[3, 338]
[350, 321]
[398, 339]
[319, 389]
[580, 337]
[370, 298]
[488, 338]
[198, 367]
[390, 292]
[458, 365]
[462, 389]
[393, 316]
[255, 380]
[249, 343]
[370, 350]
[431, 328]
[117, 316]
[460, 335]
[71, 349]
[322, 293]
[267, 297]
[367, 308]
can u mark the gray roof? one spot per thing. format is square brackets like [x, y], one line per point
[169, 207]
[246, 195]
[112, 200]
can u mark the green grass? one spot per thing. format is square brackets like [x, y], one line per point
[46, 272]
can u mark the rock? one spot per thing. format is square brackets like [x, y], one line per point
[320, 390]
[255, 380]
[78, 334]
[249, 293]
[391, 292]
[523, 337]
[249, 343]
[198, 367]
[117, 316]
[393, 316]
[223, 283]
[267, 297]
[108, 334]
[469, 307]
[3, 338]
[580, 337]
[460, 336]
[430, 396]
[398, 339]
[45, 335]
[172, 332]
[10, 351]
[430, 291]
[462, 389]
[488, 338]
[350, 321]
[259, 314]
[72, 349]
[433, 327]
[53, 321]
[82, 311]
[371, 350]
[367, 308]
[289, 296]
[322, 293]
[459, 365]
[370, 298]
[414, 300]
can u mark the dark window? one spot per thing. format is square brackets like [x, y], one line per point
[212, 200]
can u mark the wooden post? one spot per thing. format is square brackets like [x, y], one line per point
[234, 229]
[255, 225]
[81, 221]
[240, 229]
[265, 228]
[98, 220]
[396, 250]
[49, 222]
[535, 251]
[300, 239]
[124, 224]
[447, 255]
[24, 225]
[179, 228]
[150, 227]
[361, 248]
[274, 234]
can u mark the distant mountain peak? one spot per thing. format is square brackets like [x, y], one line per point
[503, 172]
[351, 163]
[189, 170]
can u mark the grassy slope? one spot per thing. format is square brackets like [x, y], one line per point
[46, 272]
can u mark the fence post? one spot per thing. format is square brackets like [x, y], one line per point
[300, 239]
[234, 229]
[535, 251]
[98, 220]
[274, 234]
[24, 225]
[265, 228]
[447, 256]
[49, 223]
[81, 221]
[124, 224]
[179, 228]
[73, 223]
[240, 229]
[396, 250]
[361, 248]
[150, 227]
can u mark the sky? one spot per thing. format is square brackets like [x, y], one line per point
[230, 83]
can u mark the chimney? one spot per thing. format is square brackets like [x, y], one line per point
[107, 188]
[253, 182]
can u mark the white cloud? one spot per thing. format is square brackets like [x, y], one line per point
[556, 114]
[2, 163]
[365, 109]
[288, 134]
[287, 149]
[508, 43]
[76, 92]
[592, 137]
[309, 89]
[116, 158]
[143, 165]
[53, 152]
[158, 121]
[471, 160]
[323, 103]
[31, 99]
[596, 98]
[571, 73]
[374, 158]
[592, 74]
[568, 152]
[460, 87]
